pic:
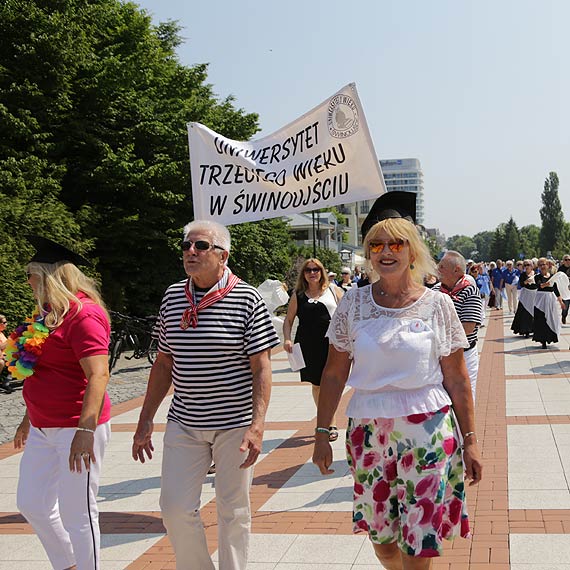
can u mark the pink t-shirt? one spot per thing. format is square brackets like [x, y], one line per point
[54, 393]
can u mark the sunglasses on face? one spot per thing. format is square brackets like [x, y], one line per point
[200, 245]
[312, 270]
[378, 246]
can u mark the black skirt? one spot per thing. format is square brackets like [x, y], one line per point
[542, 332]
[523, 323]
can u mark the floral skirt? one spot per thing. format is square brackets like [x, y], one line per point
[408, 480]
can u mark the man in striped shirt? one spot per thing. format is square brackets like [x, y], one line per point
[467, 300]
[215, 336]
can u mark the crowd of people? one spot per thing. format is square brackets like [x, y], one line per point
[402, 335]
[536, 292]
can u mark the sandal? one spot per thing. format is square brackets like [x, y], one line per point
[333, 433]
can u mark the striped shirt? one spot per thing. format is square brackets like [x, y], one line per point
[211, 371]
[469, 308]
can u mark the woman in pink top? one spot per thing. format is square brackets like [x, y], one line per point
[66, 425]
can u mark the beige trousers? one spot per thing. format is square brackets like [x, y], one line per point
[188, 454]
[512, 296]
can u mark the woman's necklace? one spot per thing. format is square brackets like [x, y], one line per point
[398, 299]
[25, 346]
[313, 297]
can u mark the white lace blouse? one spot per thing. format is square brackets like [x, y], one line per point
[396, 370]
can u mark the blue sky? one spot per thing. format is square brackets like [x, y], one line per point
[478, 91]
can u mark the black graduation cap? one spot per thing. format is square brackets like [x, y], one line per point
[395, 204]
[48, 251]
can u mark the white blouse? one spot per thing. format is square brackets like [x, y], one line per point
[396, 370]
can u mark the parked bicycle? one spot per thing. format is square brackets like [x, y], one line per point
[132, 333]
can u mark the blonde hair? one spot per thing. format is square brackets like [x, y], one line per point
[57, 289]
[400, 228]
[302, 284]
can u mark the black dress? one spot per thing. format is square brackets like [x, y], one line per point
[314, 319]
[546, 312]
[523, 323]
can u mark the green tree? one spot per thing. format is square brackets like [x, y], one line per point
[483, 244]
[463, 244]
[550, 214]
[512, 243]
[93, 106]
[433, 246]
[530, 239]
[497, 248]
[261, 250]
[562, 247]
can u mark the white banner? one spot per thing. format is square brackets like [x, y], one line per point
[324, 158]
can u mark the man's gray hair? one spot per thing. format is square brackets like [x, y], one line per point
[456, 258]
[219, 234]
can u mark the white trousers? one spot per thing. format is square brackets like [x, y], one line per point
[472, 362]
[188, 454]
[60, 505]
[512, 297]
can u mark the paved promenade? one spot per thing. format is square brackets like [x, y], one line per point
[520, 513]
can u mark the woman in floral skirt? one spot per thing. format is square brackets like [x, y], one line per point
[411, 434]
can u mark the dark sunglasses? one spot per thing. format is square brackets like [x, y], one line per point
[200, 245]
[378, 246]
[312, 270]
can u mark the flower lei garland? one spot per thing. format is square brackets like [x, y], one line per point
[25, 346]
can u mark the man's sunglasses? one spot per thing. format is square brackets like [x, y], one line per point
[312, 270]
[200, 245]
[395, 246]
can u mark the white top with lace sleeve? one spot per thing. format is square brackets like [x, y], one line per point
[396, 370]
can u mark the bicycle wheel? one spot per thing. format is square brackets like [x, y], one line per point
[152, 350]
[115, 352]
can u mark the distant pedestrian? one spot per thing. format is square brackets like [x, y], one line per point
[546, 313]
[497, 279]
[483, 282]
[468, 304]
[511, 280]
[565, 268]
[523, 323]
[314, 302]
[563, 283]
[4, 381]
[345, 282]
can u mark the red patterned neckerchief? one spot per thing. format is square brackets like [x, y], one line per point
[459, 286]
[217, 292]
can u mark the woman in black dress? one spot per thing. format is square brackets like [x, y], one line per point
[313, 302]
[523, 323]
[547, 322]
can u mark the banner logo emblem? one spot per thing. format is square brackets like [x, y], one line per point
[342, 116]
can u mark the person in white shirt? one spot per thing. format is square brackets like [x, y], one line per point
[400, 347]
